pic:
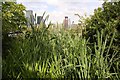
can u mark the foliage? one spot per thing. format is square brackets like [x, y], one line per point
[57, 54]
[12, 18]
[105, 19]
[47, 53]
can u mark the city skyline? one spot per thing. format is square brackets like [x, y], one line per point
[57, 10]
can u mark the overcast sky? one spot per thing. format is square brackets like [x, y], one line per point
[58, 9]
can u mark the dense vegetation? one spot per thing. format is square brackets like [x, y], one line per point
[12, 19]
[106, 19]
[44, 52]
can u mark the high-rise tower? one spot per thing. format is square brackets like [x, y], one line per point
[66, 22]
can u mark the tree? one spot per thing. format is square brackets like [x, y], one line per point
[106, 19]
[12, 18]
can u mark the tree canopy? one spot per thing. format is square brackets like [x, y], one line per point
[106, 19]
[12, 16]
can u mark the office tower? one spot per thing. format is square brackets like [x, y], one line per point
[39, 19]
[66, 22]
[30, 17]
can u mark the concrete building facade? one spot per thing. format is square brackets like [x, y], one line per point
[30, 17]
[65, 22]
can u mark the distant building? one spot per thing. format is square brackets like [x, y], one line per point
[73, 25]
[39, 19]
[30, 17]
[69, 23]
[65, 22]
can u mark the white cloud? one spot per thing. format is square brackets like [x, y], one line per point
[52, 2]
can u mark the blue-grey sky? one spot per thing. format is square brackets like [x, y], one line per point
[58, 9]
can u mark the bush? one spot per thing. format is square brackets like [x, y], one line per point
[105, 19]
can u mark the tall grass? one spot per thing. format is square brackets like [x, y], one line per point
[47, 53]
